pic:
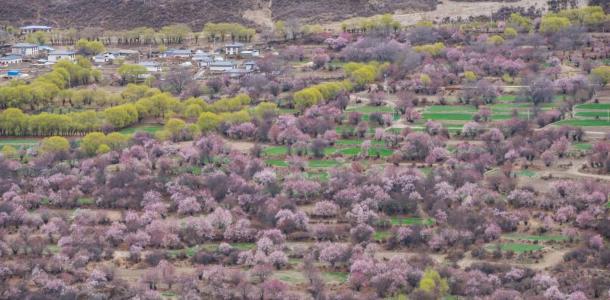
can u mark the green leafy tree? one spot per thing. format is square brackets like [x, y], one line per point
[131, 73]
[54, 144]
[602, 73]
[208, 121]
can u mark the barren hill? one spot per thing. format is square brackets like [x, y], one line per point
[124, 14]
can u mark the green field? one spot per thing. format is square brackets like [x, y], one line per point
[150, 128]
[582, 146]
[593, 106]
[381, 235]
[526, 173]
[370, 109]
[412, 221]
[540, 238]
[323, 163]
[448, 116]
[211, 247]
[335, 277]
[19, 142]
[516, 247]
[275, 151]
[276, 163]
[290, 277]
[593, 114]
[451, 109]
[576, 122]
[320, 176]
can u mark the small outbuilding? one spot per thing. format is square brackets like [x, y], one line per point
[55, 56]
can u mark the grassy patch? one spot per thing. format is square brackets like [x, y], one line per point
[18, 142]
[526, 173]
[516, 247]
[381, 235]
[323, 163]
[320, 176]
[576, 122]
[85, 201]
[594, 106]
[335, 277]
[540, 238]
[506, 98]
[603, 115]
[370, 109]
[412, 221]
[582, 146]
[287, 111]
[276, 163]
[168, 294]
[451, 109]
[276, 151]
[289, 276]
[448, 116]
[150, 128]
[53, 249]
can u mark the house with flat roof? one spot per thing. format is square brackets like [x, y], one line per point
[35, 28]
[250, 53]
[151, 66]
[103, 58]
[233, 49]
[203, 60]
[55, 56]
[179, 53]
[25, 49]
[10, 60]
[250, 65]
[222, 66]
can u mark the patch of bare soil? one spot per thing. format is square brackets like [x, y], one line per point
[240, 145]
[551, 258]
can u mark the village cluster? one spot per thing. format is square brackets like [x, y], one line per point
[232, 59]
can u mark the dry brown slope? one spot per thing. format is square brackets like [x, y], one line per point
[124, 14]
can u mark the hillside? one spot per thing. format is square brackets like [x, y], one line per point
[124, 14]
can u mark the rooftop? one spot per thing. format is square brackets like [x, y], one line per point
[24, 45]
[30, 27]
[62, 52]
[10, 57]
[223, 63]
[149, 64]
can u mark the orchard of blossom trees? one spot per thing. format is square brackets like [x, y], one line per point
[438, 161]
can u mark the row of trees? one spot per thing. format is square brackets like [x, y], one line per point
[45, 88]
[167, 35]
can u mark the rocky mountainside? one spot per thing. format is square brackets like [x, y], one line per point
[125, 14]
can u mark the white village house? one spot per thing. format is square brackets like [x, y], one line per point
[202, 59]
[222, 66]
[35, 28]
[25, 49]
[104, 58]
[233, 49]
[178, 53]
[10, 60]
[151, 66]
[55, 56]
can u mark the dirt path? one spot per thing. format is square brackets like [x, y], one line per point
[550, 259]
[573, 170]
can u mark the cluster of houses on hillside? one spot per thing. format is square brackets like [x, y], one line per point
[234, 59]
